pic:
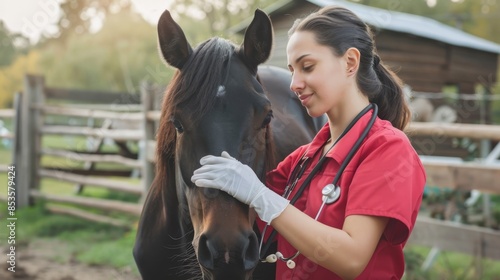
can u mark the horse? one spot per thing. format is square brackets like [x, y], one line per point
[221, 98]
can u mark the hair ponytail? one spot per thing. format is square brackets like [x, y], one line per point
[340, 29]
[390, 98]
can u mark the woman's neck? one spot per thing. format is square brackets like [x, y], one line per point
[340, 116]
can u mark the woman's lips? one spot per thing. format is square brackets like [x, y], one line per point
[304, 99]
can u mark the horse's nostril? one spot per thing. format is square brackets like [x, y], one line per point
[205, 252]
[242, 250]
[251, 252]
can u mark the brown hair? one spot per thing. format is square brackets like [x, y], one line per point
[340, 29]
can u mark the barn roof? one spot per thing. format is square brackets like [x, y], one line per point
[399, 22]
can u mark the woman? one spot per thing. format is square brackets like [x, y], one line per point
[336, 71]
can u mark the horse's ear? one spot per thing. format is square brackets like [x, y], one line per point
[258, 42]
[173, 43]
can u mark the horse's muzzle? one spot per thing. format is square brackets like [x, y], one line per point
[229, 257]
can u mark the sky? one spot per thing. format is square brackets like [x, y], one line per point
[33, 17]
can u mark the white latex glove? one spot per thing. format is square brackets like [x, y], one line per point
[238, 180]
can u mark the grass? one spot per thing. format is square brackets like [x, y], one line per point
[73, 238]
[448, 265]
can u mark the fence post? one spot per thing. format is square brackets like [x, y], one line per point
[30, 138]
[147, 94]
[21, 197]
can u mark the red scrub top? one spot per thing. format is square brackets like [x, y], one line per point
[384, 178]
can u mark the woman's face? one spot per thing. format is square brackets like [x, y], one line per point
[319, 77]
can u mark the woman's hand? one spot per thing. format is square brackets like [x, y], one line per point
[238, 180]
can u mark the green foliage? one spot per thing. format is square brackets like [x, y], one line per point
[77, 15]
[447, 265]
[117, 58]
[201, 19]
[7, 48]
[413, 261]
[12, 76]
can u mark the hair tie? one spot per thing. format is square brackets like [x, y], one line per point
[376, 60]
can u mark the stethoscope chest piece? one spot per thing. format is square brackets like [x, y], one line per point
[331, 193]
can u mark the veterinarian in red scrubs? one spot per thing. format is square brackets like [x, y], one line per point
[345, 204]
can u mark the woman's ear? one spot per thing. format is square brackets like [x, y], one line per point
[351, 57]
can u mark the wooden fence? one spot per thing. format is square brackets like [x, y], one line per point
[33, 106]
[121, 117]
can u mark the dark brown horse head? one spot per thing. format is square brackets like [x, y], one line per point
[215, 102]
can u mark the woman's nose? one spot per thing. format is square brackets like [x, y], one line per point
[297, 84]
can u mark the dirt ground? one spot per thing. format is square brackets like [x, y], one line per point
[44, 261]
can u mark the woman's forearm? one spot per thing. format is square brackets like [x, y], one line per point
[345, 252]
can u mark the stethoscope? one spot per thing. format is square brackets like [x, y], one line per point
[330, 193]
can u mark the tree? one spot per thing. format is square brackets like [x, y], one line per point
[213, 17]
[77, 15]
[11, 77]
[116, 58]
[14, 62]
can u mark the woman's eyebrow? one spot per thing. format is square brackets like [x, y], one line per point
[299, 59]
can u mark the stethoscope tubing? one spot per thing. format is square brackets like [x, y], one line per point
[316, 168]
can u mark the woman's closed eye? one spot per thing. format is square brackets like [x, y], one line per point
[307, 68]
[304, 68]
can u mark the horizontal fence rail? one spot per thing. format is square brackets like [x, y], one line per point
[90, 96]
[7, 113]
[463, 176]
[109, 184]
[82, 156]
[103, 204]
[90, 113]
[115, 134]
[473, 131]
[452, 236]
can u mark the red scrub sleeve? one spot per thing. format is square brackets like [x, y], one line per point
[388, 182]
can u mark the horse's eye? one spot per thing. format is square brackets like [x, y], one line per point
[268, 118]
[177, 124]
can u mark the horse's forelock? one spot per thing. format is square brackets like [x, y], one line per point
[201, 76]
[195, 84]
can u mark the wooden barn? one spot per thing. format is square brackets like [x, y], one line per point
[426, 54]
